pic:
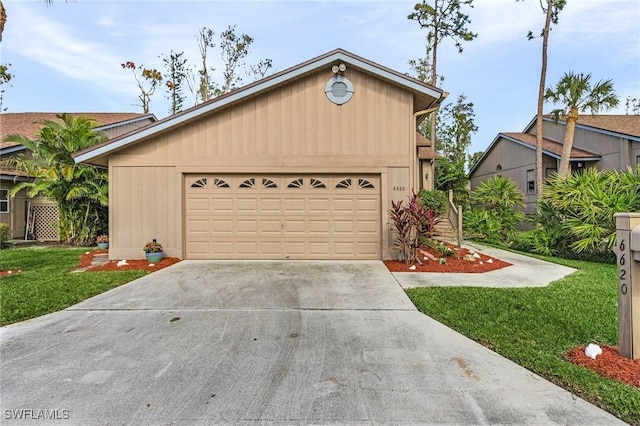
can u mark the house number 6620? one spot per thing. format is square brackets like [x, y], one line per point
[398, 188]
[623, 270]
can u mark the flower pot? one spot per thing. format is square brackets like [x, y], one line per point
[154, 256]
[103, 246]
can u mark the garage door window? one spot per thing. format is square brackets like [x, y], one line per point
[298, 183]
[345, 183]
[268, 183]
[200, 183]
[315, 183]
[365, 184]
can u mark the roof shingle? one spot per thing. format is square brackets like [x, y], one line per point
[550, 146]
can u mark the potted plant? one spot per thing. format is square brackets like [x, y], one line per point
[153, 251]
[103, 242]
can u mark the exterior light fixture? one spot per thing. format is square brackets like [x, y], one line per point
[338, 68]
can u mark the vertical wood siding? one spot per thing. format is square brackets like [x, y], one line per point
[294, 123]
[145, 203]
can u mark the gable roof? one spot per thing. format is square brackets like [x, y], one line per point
[425, 96]
[549, 147]
[28, 123]
[627, 126]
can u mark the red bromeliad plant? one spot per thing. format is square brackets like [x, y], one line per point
[411, 223]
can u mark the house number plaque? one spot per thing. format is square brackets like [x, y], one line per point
[628, 286]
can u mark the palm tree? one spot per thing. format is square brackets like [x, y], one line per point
[575, 93]
[79, 191]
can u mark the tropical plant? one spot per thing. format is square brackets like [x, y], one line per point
[100, 239]
[80, 191]
[412, 223]
[496, 209]
[584, 205]
[576, 95]
[152, 247]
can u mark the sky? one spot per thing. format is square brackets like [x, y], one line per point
[66, 57]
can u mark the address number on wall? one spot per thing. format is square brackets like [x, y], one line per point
[398, 188]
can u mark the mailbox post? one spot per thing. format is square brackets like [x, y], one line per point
[628, 253]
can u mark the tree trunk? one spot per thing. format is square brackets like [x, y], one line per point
[571, 120]
[543, 76]
[434, 73]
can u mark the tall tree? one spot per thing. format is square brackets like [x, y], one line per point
[551, 9]
[147, 79]
[576, 95]
[632, 105]
[442, 19]
[454, 135]
[205, 85]
[80, 191]
[233, 49]
[176, 73]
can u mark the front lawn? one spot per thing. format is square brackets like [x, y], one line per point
[46, 285]
[535, 327]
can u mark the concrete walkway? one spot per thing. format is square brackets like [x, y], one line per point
[524, 272]
[205, 342]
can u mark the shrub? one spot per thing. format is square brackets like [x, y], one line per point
[495, 212]
[412, 224]
[434, 200]
[577, 212]
[4, 234]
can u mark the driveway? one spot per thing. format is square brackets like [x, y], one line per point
[206, 342]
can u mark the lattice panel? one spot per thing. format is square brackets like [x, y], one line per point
[45, 223]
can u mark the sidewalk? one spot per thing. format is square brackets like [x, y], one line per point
[524, 272]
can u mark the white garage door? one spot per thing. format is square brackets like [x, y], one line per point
[282, 217]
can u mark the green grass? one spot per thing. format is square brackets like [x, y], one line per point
[535, 327]
[46, 284]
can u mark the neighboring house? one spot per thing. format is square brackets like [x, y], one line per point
[603, 142]
[43, 211]
[303, 164]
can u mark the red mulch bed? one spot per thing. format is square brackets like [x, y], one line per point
[9, 273]
[133, 264]
[455, 263]
[610, 364]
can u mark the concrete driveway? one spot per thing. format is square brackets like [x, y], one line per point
[265, 343]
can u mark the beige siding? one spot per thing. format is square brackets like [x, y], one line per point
[292, 129]
[145, 203]
[293, 126]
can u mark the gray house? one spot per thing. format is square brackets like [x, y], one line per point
[603, 142]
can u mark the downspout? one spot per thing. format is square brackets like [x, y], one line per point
[414, 156]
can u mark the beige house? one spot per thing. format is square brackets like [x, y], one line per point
[300, 165]
[43, 212]
[604, 142]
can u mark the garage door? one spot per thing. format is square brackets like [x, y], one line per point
[282, 217]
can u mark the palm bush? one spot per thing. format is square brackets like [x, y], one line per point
[79, 191]
[496, 210]
[579, 210]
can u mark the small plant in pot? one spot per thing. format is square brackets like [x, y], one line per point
[153, 251]
[102, 241]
